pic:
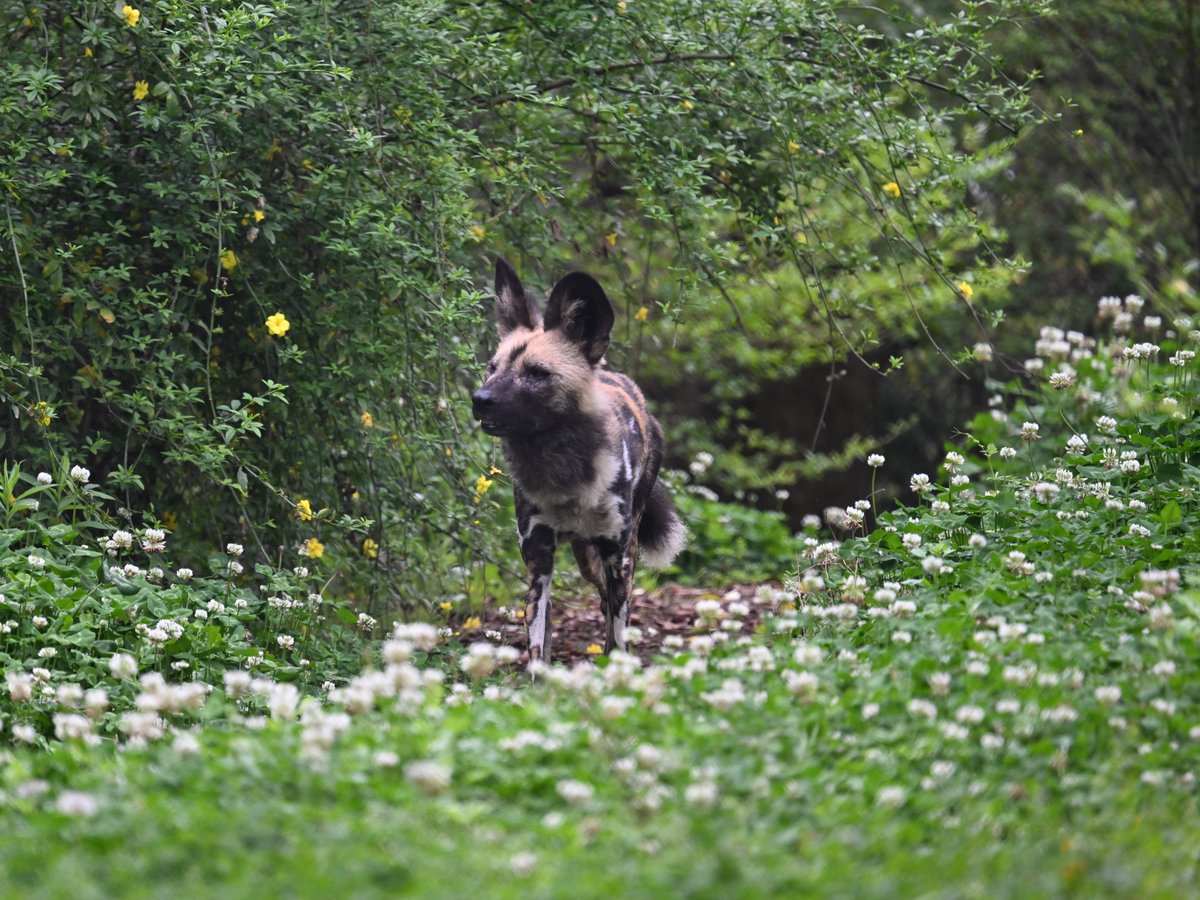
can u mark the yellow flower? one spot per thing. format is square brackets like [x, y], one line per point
[41, 413]
[642, 314]
[967, 290]
[611, 237]
[1078, 132]
[368, 421]
[259, 215]
[482, 483]
[370, 549]
[131, 15]
[472, 623]
[278, 324]
[494, 471]
[446, 606]
[594, 649]
[87, 51]
[793, 146]
[479, 231]
[621, 7]
[892, 189]
[313, 548]
[229, 260]
[304, 511]
[140, 90]
[688, 104]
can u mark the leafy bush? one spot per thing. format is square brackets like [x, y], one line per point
[243, 243]
[88, 600]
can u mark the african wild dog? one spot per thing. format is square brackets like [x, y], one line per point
[583, 451]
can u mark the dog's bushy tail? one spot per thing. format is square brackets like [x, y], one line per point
[661, 534]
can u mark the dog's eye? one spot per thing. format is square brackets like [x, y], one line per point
[537, 373]
[491, 367]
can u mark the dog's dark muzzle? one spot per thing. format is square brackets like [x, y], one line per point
[483, 408]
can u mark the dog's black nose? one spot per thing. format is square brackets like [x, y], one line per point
[481, 403]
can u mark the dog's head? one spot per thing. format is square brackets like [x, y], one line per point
[544, 370]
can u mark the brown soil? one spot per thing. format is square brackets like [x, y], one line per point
[576, 624]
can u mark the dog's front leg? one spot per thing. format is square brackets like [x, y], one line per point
[538, 543]
[617, 559]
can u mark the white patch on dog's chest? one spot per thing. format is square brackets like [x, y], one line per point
[571, 519]
[590, 512]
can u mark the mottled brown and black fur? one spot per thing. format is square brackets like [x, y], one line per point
[583, 451]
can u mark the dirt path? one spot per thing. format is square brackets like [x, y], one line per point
[670, 610]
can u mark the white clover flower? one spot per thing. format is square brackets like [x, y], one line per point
[24, 733]
[36, 562]
[283, 700]
[576, 793]
[421, 635]
[80, 474]
[1108, 307]
[1077, 443]
[919, 483]
[285, 641]
[95, 702]
[72, 727]
[977, 541]
[933, 565]
[1007, 452]
[1029, 431]
[154, 540]
[702, 794]
[1130, 466]
[1046, 491]
[1108, 694]
[875, 460]
[20, 687]
[893, 796]
[234, 550]
[122, 666]
[76, 804]
[969, 715]
[429, 775]
[237, 683]
[480, 660]
[954, 461]
[983, 352]
[939, 683]
[802, 684]
[1062, 379]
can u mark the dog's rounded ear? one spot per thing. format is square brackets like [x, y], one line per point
[579, 307]
[515, 308]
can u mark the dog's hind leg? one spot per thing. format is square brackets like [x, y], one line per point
[617, 560]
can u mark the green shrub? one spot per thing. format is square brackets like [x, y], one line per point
[180, 185]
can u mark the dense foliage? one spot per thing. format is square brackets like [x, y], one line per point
[244, 242]
[990, 692]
